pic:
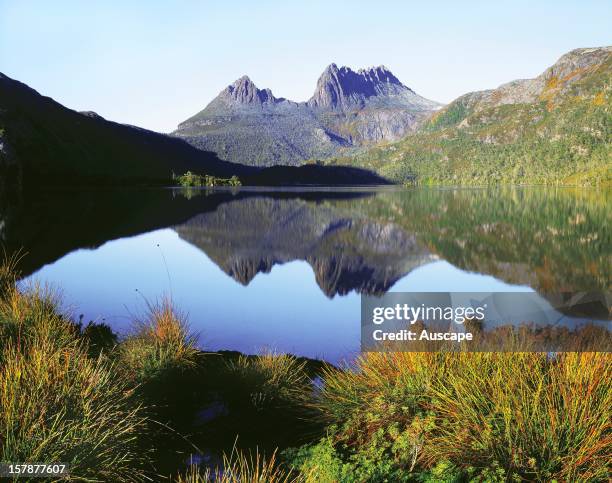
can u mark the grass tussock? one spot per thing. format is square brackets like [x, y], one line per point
[535, 417]
[29, 316]
[57, 404]
[161, 344]
[241, 467]
[269, 380]
[497, 416]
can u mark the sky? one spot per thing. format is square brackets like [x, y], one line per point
[155, 63]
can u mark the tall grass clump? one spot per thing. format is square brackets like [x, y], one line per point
[535, 417]
[488, 416]
[267, 380]
[56, 403]
[160, 345]
[241, 467]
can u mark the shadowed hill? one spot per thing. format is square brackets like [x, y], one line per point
[45, 142]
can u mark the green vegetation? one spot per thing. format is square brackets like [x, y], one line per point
[565, 137]
[111, 412]
[269, 380]
[469, 416]
[190, 179]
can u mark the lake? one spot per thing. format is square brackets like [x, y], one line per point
[272, 269]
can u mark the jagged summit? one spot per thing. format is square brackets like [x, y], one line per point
[379, 74]
[244, 91]
[345, 89]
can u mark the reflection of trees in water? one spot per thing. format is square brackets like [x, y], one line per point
[550, 239]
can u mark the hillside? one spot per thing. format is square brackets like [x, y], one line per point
[348, 110]
[43, 142]
[555, 128]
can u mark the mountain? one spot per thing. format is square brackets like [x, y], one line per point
[555, 128]
[349, 109]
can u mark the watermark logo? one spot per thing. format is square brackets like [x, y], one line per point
[486, 321]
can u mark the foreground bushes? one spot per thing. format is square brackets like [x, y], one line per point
[486, 416]
[268, 381]
[67, 395]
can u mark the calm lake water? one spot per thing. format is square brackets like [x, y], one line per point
[258, 269]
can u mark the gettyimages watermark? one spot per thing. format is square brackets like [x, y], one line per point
[486, 321]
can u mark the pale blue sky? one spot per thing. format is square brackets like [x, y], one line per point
[155, 63]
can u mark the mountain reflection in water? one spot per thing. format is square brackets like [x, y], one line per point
[354, 241]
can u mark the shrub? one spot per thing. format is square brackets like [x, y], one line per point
[190, 179]
[31, 316]
[537, 418]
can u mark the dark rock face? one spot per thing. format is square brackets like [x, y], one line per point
[349, 109]
[10, 167]
[91, 114]
[342, 88]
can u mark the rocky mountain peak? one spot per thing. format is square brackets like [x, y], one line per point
[342, 87]
[380, 74]
[575, 62]
[244, 91]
